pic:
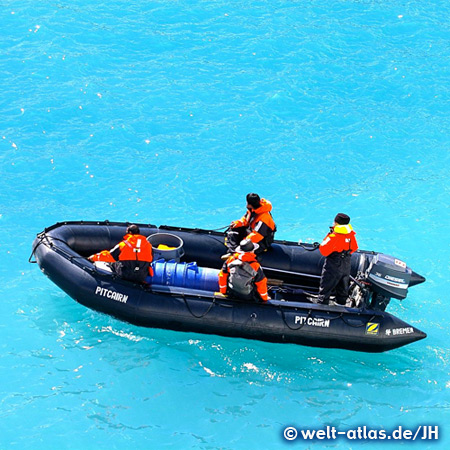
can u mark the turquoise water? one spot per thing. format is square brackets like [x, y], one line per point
[169, 112]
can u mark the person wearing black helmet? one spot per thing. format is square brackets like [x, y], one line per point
[337, 248]
[131, 258]
[256, 224]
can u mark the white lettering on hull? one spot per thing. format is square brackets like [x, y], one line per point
[399, 331]
[113, 295]
[312, 321]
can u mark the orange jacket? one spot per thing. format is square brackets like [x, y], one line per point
[260, 279]
[260, 222]
[341, 239]
[134, 247]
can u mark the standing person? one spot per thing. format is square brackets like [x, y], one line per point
[242, 274]
[257, 225]
[131, 258]
[337, 247]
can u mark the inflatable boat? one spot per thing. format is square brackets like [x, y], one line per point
[183, 293]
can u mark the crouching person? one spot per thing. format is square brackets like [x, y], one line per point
[257, 225]
[131, 258]
[242, 275]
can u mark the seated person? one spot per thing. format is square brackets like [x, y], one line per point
[257, 225]
[242, 276]
[130, 259]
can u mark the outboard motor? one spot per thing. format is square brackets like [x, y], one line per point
[379, 278]
[389, 278]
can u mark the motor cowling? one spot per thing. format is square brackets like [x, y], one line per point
[389, 276]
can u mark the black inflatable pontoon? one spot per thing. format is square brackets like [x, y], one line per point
[183, 293]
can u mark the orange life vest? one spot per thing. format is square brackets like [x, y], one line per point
[341, 239]
[259, 221]
[134, 247]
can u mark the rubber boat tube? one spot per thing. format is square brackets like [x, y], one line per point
[186, 302]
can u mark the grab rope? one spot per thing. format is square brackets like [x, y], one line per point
[101, 273]
[292, 328]
[41, 239]
[340, 316]
[308, 249]
[202, 315]
[221, 228]
[355, 326]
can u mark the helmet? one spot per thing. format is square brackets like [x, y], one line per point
[246, 246]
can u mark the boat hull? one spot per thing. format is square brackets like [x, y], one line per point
[191, 310]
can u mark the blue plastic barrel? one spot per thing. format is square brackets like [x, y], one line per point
[188, 275]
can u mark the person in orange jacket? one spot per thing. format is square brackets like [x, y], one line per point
[257, 225]
[131, 258]
[242, 275]
[337, 248]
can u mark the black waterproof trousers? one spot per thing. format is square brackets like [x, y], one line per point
[335, 278]
[136, 271]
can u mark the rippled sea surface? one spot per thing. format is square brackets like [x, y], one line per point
[169, 112]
